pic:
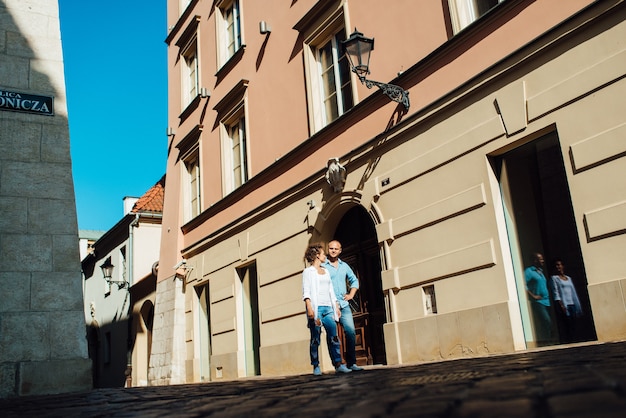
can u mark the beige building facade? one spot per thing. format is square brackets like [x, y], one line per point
[512, 145]
[42, 335]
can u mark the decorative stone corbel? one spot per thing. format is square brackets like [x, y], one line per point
[336, 175]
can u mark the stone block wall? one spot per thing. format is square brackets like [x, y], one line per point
[43, 348]
[167, 358]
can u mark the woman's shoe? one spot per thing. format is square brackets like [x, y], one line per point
[317, 371]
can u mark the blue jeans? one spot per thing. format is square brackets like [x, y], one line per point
[542, 322]
[347, 322]
[325, 313]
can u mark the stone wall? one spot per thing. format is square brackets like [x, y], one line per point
[167, 358]
[43, 348]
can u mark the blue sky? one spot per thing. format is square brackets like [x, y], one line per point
[115, 61]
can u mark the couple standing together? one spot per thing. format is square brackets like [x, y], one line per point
[564, 294]
[326, 296]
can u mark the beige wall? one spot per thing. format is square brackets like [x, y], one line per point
[589, 129]
[146, 243]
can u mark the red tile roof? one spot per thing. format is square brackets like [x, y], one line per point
[152, 200]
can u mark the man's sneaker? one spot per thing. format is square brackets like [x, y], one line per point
[342, 369]
[355, 368]
[317, 371]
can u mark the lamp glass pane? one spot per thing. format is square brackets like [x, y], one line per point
[358, 49]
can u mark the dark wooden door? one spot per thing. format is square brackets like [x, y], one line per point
[360, 250]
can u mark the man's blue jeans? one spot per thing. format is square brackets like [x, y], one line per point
[543, 323]
[347, 322]
[325, 313]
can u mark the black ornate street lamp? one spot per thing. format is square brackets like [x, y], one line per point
[107, 271]
[358, 49]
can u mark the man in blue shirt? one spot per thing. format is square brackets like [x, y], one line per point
[537, 289]
[342, 276]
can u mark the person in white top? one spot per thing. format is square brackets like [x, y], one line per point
[322, 308]
[567, 301]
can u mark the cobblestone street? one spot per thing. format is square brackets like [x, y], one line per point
[574, 381]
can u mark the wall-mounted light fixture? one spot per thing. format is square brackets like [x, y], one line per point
[107, 271]
[264, 28]
[169, 131]
[204, 92]
[358, 49]
[182, 269]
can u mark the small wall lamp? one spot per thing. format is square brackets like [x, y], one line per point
[107, 271]
[182, 265]
[358, 49]
[264, 28]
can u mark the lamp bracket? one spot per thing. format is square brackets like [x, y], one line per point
[395, 93]
[120, 283]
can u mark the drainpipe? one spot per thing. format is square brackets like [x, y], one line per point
[130, 280]
[131, 249]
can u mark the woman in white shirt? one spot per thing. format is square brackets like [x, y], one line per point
[568, 304]
[322, 308]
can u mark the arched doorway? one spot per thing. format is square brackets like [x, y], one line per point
[358, 239]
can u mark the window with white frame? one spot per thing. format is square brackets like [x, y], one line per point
[335, 81]
[234, 150]
[229, 29]
[192, 202]
[464, 12]
[330, 90]
[190, 81]
[238, 152]
[234, 135]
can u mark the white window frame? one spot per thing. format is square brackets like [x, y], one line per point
[192, 190]
[190, 72]
[465, 12]
[235, 157]
[239, 153]
[229, 29]
[315, 37]
[338, 58]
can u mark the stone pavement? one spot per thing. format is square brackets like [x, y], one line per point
[575, 381]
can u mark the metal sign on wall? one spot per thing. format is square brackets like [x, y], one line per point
[28, 103]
